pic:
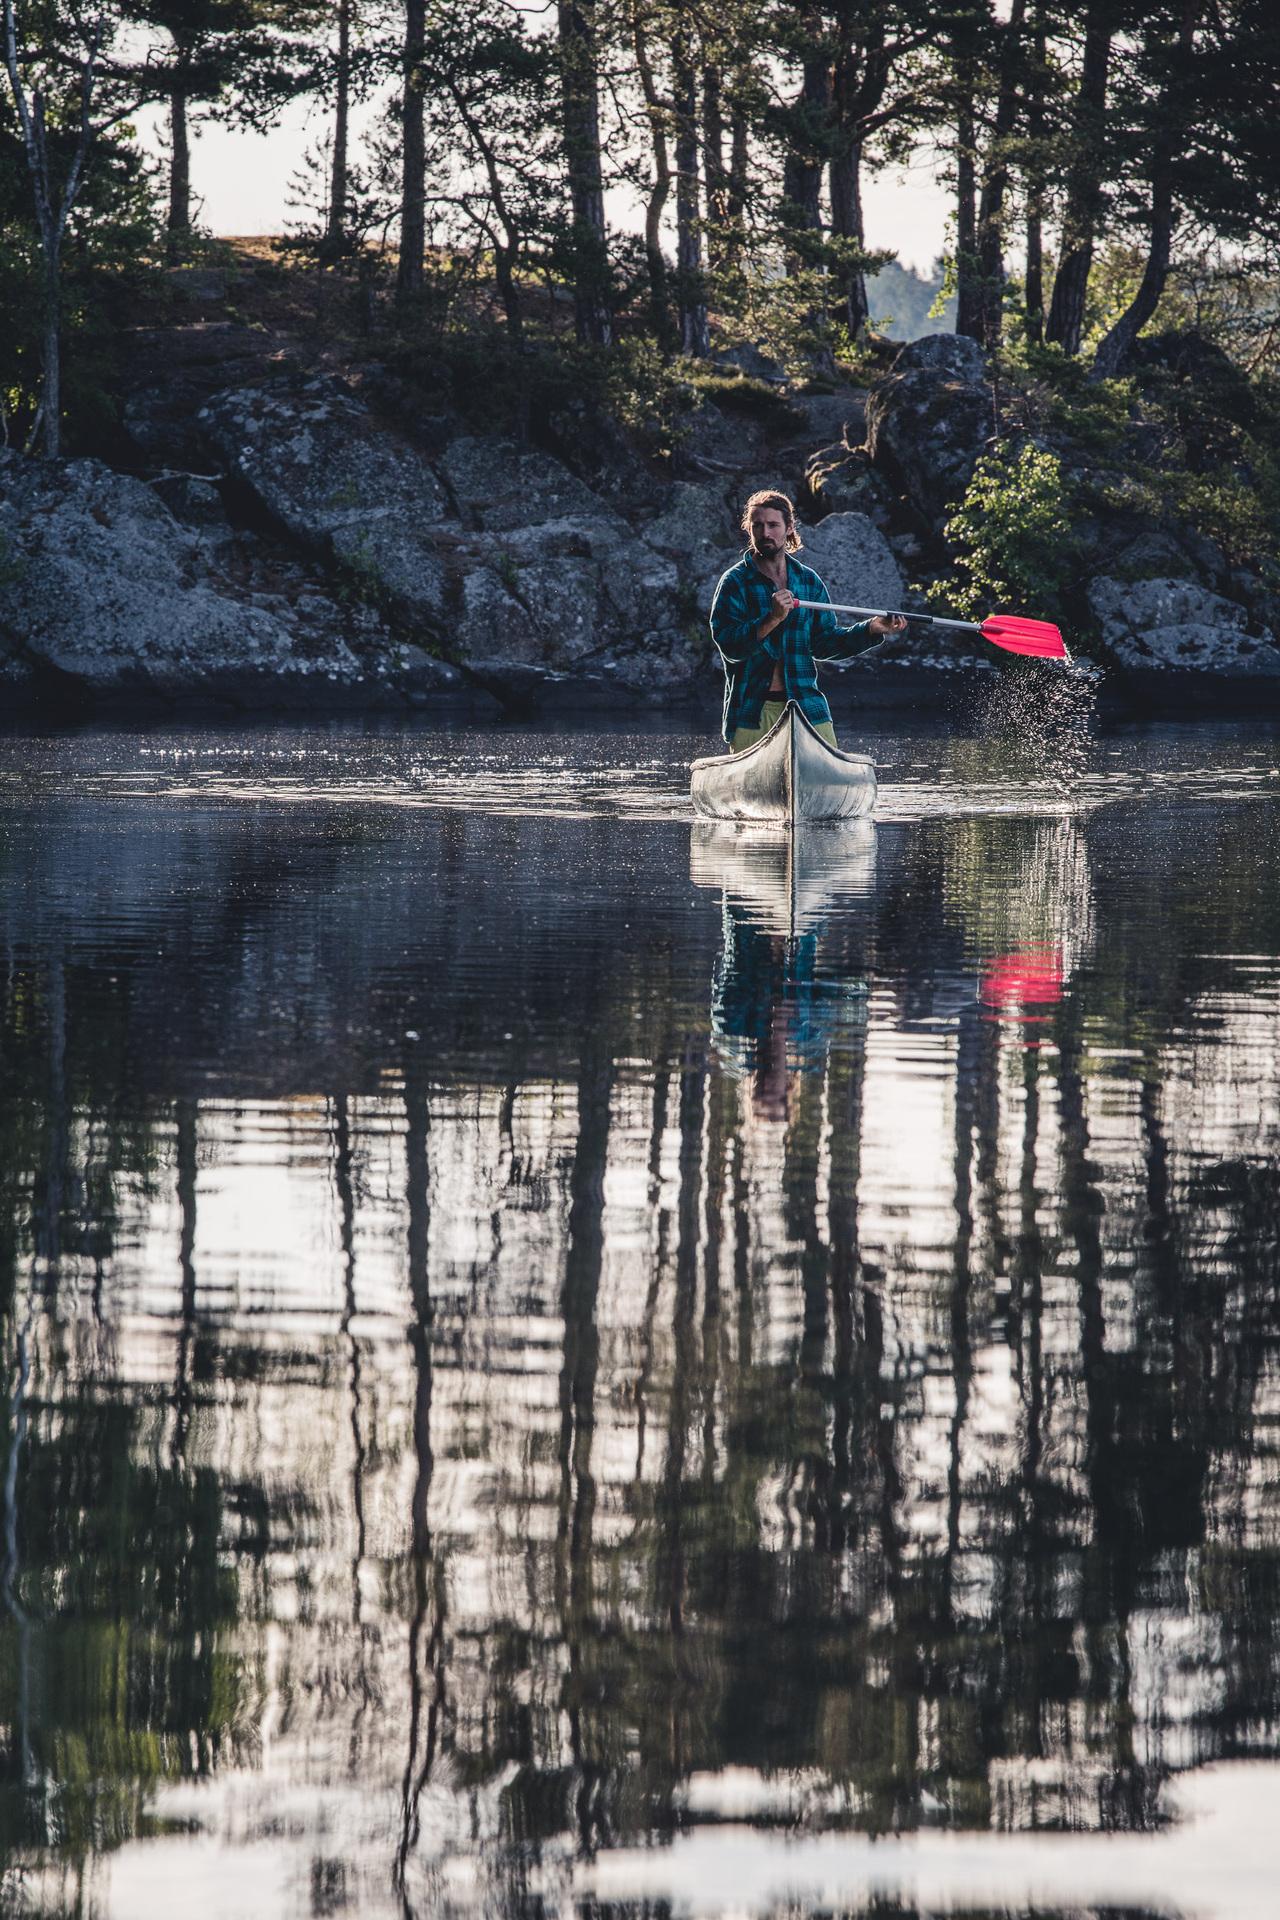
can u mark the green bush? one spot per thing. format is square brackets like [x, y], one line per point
[742, 393]
[1011, 538]
[1047, 388]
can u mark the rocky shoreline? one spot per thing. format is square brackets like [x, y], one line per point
[267, 536]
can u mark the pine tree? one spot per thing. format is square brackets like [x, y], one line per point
[239, 57]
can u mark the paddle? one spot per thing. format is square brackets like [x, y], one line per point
[1036, 638]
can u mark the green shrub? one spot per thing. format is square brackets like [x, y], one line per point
[742, 393]
[1238, 515]
[1011, 538]
[1048, 388]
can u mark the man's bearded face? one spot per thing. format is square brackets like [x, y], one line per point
[768, 533]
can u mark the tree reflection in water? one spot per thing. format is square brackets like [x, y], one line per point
[505, 1344]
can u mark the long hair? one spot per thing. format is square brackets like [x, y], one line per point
[780, 504]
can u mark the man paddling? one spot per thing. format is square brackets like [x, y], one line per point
[768, 642]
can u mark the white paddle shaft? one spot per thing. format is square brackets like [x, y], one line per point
[877, 613]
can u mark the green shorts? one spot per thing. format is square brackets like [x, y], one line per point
[770, 714]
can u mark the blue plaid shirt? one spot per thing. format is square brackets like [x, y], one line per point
[741, 604]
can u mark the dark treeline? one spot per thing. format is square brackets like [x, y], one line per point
[662, 169]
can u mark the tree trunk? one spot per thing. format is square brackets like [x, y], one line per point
[51, 385]
[846, 222]
[413, 187]
[803, 166]
[1034, 295]
[969, 314]
[581, 105]
[178, 225]
[1116, 347]
[509, 292]
[736, 186]
[1034, 300]
[859, 79]
[1084, 183]
[51, 216]
[713, 168]
[996, 181]
[336, 226]
[659, 190]
[690, 287]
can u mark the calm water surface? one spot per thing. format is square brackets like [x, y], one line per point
[564, 1361]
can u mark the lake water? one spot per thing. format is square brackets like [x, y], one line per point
[564, 1361]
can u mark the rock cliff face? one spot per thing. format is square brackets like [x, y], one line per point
[104, 590]
[1166, 627]
[289, 538]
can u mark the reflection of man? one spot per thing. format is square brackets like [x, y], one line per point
[772, 1013]
[768, 643]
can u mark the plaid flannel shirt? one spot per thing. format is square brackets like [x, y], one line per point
[742, 602]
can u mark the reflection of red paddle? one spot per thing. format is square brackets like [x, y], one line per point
[1015, 981]
[1038, 638]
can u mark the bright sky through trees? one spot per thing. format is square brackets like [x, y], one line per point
[241, 183]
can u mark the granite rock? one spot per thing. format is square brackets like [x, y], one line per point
[854, 559]
[841, 480]
[498, 486]
[1177, 626]
[104, 592]
[314, 461]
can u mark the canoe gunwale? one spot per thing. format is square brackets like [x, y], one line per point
[757, 746]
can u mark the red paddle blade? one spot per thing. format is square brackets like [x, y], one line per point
[1035, 637]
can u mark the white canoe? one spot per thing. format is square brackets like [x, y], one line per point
[790, 776]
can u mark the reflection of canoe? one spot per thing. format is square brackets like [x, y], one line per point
[789, 776]
[785, 884]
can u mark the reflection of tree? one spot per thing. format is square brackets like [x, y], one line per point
[186, 1138]
[575, 1569]
[427, 1694]
[344, 1183]
[116, 1666]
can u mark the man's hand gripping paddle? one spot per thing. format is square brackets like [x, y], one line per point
[1036, 638]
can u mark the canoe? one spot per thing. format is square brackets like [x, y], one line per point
[790, 776]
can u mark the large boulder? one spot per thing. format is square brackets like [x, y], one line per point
[854, 560]
[694, 528]
[498, 485]
[750, 359]
[954, 355]
[102, 592]
[316, 464]
[730, 434]
[929, 419]
[568, 597]
[167, 374]
[1176, 627]
[832, 418]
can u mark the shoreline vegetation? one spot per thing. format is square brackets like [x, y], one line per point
[456, 442]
